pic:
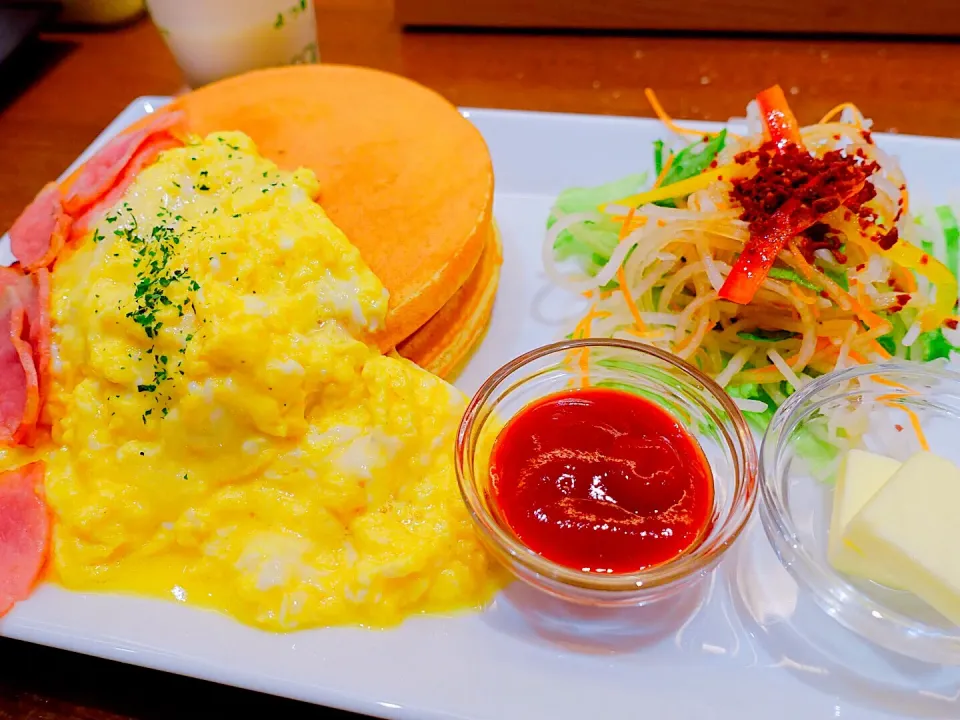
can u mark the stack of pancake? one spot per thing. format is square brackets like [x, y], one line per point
[402, 173]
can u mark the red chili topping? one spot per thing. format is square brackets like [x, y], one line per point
[951, 323]
[818, 237]
[602, 481]
[888, 239]
[790, 192]
[867, 193]
[818, 184]
[902, 299]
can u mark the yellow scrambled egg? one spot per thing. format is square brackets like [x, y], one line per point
[224, 436]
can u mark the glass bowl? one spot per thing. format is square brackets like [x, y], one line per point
[689, 396]
[870, 408]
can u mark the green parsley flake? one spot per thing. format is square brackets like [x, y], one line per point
[156, 281]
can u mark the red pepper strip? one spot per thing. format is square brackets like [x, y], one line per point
[765, 244]
[761, 252]
[778, 118]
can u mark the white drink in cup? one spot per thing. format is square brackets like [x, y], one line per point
[212, 39]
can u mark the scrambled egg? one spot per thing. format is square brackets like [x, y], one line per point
[224, 435]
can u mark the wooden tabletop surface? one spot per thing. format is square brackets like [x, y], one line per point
[60, 94]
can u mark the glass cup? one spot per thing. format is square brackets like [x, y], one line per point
[868, 408]
[213, 39]
[683, 391]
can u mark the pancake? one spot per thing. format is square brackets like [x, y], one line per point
[402, 173]
[445, 342]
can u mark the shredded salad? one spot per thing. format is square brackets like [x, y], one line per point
[765, 259]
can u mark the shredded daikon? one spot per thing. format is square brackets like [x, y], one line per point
[734, 366]
[912, 334]
[788, 374]
[750, 406]
[822, 308]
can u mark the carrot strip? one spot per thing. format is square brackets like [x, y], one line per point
[628, 298]
[839, 109]
[667, 120]
[880, 380]
[870, 319]
[622, 278]
[663, 171]
[802, 296]
[583, 330]
[914, 419]
[879, 350]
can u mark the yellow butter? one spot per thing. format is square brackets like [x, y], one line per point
[860, 476]
[911, 526]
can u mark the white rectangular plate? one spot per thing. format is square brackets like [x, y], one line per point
[745, 645]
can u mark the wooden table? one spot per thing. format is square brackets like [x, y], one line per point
[87, 79]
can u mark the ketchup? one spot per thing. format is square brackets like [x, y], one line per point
[601, 480]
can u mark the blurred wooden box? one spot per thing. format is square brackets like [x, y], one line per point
[884, 17]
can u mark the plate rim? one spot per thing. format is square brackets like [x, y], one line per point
[199, 668]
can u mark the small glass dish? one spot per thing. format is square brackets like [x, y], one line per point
[691, 397]
[871, 408]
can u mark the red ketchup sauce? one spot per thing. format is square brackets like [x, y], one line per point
[601, 480]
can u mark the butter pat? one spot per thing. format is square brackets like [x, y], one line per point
[860, 476]
[910, 525]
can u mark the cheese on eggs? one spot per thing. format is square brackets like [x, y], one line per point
[223, 434]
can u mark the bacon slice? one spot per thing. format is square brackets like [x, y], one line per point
[46, 224]
[146, 155]
[24, 533]
[12, 282]
[38, 235]
[32, 292]
[24, 349]
[100, 173]
[19, 386]
[38, 316]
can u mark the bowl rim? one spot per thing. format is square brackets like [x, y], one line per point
[831, 590]
[715, 542]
